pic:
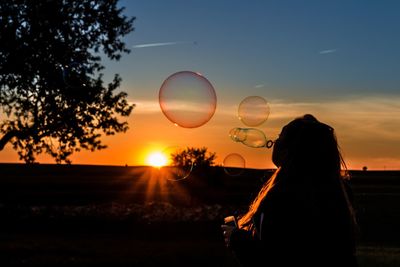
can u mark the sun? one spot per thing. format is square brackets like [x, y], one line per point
[157, 159]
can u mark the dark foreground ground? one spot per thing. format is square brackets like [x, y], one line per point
[130, 216]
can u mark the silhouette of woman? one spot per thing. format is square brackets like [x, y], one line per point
[303, 215]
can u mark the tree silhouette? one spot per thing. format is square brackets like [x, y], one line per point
[198, 157]
[52, 94]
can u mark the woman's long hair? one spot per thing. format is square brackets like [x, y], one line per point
[305, 152]
[245, 221]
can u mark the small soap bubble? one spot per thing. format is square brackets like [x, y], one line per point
[234, 164]
[173, 171]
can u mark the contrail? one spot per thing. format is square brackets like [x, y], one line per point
[329, 51]
[161, 44]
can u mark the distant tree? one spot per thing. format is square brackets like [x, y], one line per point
[365, 168]
[51, 90]
[198, 157]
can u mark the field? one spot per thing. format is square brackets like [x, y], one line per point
[59, 215]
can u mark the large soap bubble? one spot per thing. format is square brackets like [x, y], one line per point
[253, 111]
[187, 99]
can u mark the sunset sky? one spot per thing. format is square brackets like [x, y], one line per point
[338, 60]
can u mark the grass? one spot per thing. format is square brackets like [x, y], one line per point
[102, 216]
[113, 249]
[378, 256]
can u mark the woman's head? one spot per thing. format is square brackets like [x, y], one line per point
[306, 149]
[306, 143]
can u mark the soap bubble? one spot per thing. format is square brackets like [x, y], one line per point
[251, 137]
[234, 164]
[253, 111]
[176, 173]
[254, 138]
[187, 99]
[237, 134]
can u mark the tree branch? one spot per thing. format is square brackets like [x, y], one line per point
[7, 137]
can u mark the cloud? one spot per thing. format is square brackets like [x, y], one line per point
[161, 44]
[368, 127]
[146, 106]
[367, 120]
[259, 85]
[373, 117]
[328, 51]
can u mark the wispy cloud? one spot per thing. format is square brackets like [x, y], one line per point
[161, 44]
[375, 118]
[327, 51]
[259, 85]
[146, 106]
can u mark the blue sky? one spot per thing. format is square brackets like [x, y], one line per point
[339, 60]
[295, 49]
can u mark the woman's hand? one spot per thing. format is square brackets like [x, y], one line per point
[227, 232]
